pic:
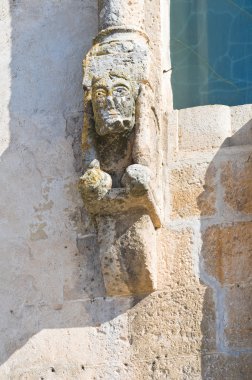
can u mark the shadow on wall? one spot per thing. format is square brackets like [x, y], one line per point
[43, 273]
[226, 259]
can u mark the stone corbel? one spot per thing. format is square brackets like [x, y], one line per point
[121, 149]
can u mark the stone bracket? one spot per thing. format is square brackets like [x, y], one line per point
[119, 200]
[121, 140]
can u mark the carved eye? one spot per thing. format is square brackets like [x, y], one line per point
[100, 93]
[120, 91]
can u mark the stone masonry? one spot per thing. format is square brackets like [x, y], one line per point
[57, 321]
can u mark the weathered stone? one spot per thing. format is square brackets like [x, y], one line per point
[56, 322]
[119, 200]
[127, 252]
[180, 330]
[236, 180]
[119, 105]
[121, 13]
[227, 252]
[238, 322]
[186, 367]
[231, 367]
[113, 104]
[241, 118]
[110, 138]
[192, 193]
[136, 179]
[95, 183]
[175, 259]
[202, 128]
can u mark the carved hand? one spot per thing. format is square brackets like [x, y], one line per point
[136, 179]
[95, 183]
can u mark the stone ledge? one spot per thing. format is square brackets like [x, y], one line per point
[120, 200]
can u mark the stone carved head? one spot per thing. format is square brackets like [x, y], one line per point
[113, 101]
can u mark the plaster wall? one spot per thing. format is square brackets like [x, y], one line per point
[56, 322]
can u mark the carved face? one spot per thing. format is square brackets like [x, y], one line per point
[113, 105]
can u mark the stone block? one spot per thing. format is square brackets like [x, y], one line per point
[238, 321]
[203, 128]
[175, 260]
[179, 331]
[193, 191]
[241, 121]
[227, 252]
[168, 367]
[127, 245]
[236, 180]
[224, 367]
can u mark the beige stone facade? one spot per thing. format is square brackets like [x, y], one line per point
[57, 321]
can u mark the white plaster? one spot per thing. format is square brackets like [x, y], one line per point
[5, 77]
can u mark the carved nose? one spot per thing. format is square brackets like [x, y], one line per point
[110, 102]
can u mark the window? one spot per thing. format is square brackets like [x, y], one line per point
[211, 52]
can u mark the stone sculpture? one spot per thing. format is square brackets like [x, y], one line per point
[121, 162]
[113, 100]
[113, 103]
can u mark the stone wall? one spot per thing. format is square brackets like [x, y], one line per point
[210, 208]
[56, 321]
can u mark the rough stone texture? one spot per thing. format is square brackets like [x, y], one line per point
[202, 128]
[121, 13]
[170, 367]
[191, 193]
[241, 118]
[227, 252]
[121, 155]
[56, 322]
[179, 329]
[237, 183]
[55, 318]
[127, 248]
[221, 366]
[210, 231]
[137, 178]
[177, 259]
[238, 323]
